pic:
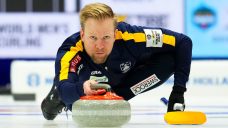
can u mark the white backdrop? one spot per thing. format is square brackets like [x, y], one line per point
[34, 35]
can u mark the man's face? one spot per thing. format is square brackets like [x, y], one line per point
[98, 37]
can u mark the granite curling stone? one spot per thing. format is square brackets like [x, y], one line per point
[108, 110]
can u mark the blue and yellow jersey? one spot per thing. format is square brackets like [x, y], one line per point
[133, 45]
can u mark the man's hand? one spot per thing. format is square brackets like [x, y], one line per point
[176, 99]
[87, 88]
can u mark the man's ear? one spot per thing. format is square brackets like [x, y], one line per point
[82, 34]
[116, 31]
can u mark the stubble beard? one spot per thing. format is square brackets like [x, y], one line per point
[98, 59]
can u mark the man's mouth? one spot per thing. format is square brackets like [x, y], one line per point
[99, 52]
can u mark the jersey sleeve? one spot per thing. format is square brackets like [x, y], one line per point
[143, 42]
[66, 64]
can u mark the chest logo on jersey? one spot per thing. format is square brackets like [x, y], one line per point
[95, 72]
[74, 62]
[154, 37]
[125, 66]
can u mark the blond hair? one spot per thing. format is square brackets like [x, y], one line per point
[98, 11]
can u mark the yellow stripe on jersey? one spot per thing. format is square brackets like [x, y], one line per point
[168, 39]
[141, 37]
[137, 37]
[65, 61]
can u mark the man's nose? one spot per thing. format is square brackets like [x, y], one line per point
[100, 44]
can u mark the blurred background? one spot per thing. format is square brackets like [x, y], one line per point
[32, 30]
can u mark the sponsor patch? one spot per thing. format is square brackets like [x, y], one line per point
[95, 72]
[80, 68]
[153, 37]
[74, 62]
[145, 84]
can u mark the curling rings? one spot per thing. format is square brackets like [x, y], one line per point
[108, 110]
[185, 117]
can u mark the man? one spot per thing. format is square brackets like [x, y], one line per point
[132, 59]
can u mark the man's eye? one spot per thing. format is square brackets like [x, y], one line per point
[93, 37]
[106, 37]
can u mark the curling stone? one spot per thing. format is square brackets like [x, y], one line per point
[108, 110]
[183, 117]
